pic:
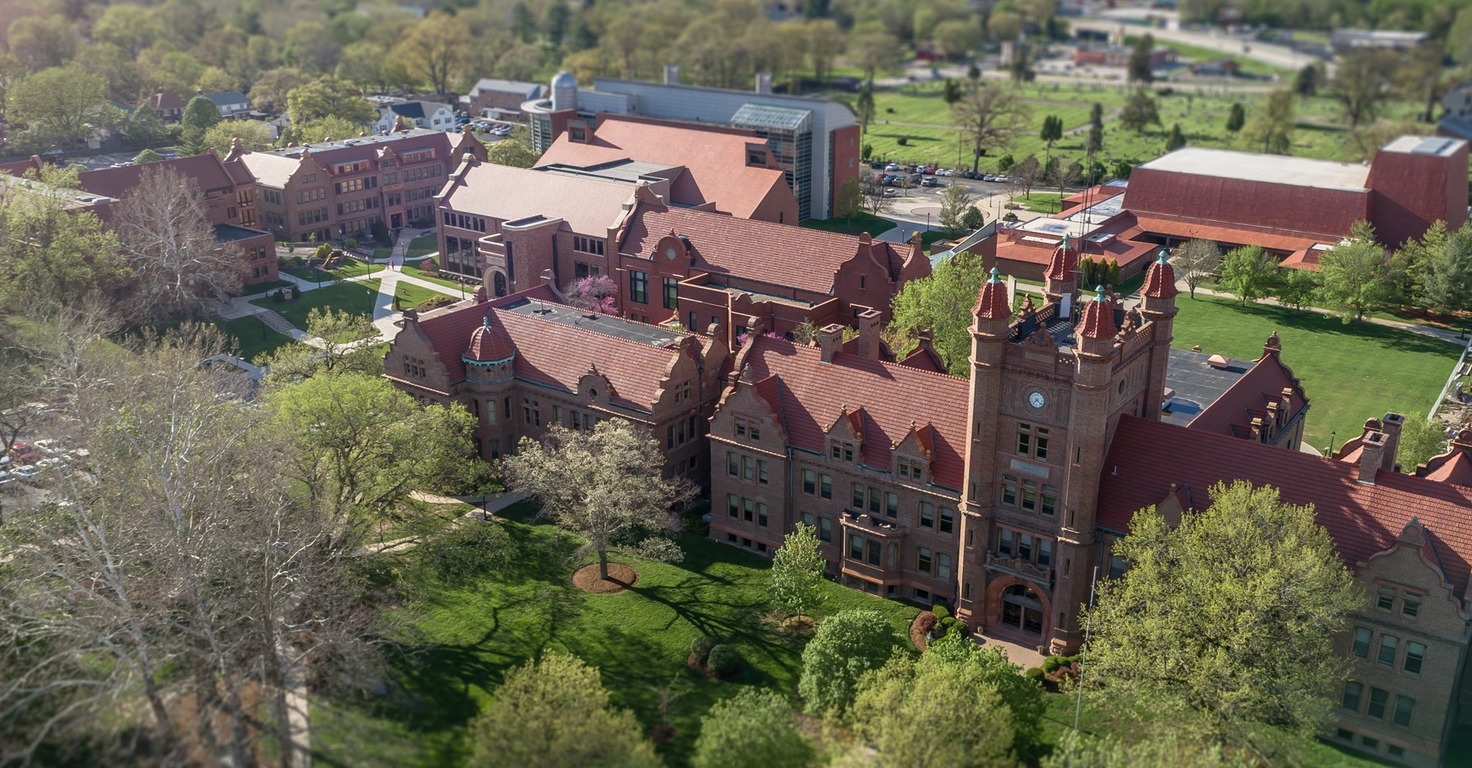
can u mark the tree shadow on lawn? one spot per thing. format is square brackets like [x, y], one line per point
[1314, 322]
[733, 622]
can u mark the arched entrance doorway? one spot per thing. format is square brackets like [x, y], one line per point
[500, 281]
[1022, 610]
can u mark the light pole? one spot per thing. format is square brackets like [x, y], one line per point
[1078, 706]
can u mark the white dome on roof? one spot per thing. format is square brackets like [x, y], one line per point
[564, 79]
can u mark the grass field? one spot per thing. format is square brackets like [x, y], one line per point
[423, 245]
[348, 268]
[864, 222]
[1350, 372]
[414, 295]
[253, 338]
[1040, 202]
[453, 644]
[414, 270]
[355, 297]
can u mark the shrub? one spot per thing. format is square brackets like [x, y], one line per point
[1034, 673]
[866, 151]
[350, 243]
[903, 141]
[469, 549]
[940, 612]
[701, 646]
[429, 266]
[278, 296]
[723, 660]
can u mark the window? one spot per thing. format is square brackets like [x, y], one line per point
[923, 560]
[809, 482]
[733, 465]
[1410, 607]
[1415, 654]
[1040, 446]
[1050, 500]
[911, 469]
[1045, 552]
[947, 520]
[671, 293]
[825, 486]
[1388, 645]
[1344, 734]
[1377, 703]
[761, 471]
[874, 500]
[531, 412]
[1403, 707]
[1024, 443]
[761, 514]
[927, 515]
[857, 497]
[891, 505]
[1004, 542]
[748, 469]
[825, 529]
[1352, 692]
[1024, 547]
[639, 287]
[943, 566]
[1386, 601]
[1370, 742]
[733, 505]
[587, 245]
[1029, 497]
[748, 509]
[1117, 568]
[839, 449]
[1032, 441]
[1362, 642]
[1394, 751]
[1009, 490]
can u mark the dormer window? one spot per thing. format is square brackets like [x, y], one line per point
[748, 428]
[910, 468]
[841, 450]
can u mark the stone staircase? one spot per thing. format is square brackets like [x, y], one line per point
[275, 322]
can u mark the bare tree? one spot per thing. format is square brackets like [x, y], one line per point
[1024, 176]
[170, 245]
[179, 591]
[874, 192]
[1196, 261]
[989, 115]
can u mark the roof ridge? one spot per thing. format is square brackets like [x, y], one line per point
[888, 365]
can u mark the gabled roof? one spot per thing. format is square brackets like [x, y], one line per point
[227, 98]
[207, 171]
[551, 353]
[1147, 456]
[589, 206]
[417, 110]
[777, 254]
[1264, 382]
[271, 170]
[1456, 470]
[163, 100]
[528, 90]
[714, 159]
[808, 394]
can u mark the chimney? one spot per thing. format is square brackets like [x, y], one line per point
[869, 322]
[1258, 435]
[672, 74]
[1391, 425]
[830, 339]
[764, 82]
[1372, 453]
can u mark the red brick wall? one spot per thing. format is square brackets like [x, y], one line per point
[1320, 212]
[845, 160]
[1409, 192]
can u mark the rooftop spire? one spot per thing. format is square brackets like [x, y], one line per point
[1097, 321]
[1160, 278]
[991, 301]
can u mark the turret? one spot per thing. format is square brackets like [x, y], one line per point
[1158, 306]
[1061, 280]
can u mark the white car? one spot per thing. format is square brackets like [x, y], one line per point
[51, 462]
[26, 472]
[49, 447]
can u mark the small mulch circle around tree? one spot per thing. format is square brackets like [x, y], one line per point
[620, 577]
[917, 635]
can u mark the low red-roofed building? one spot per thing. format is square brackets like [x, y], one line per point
[525, 362]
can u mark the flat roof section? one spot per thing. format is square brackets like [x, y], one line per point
[1195, 385]
[1273, 169]
[611, 325]
[1439, 146]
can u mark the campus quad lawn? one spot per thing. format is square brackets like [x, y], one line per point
[452, 643]
[253, 337]
[357, 298]
[423, 245]
[1350, 372]
[1039, 202]
[414, 271]
[857, 224]
[410, 295]
[348, 268]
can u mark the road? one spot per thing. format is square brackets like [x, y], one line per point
[1112, 21]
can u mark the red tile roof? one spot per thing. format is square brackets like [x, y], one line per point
[1456, 470]
[1222, 232]
[715, 160]
[1097, 319]
[207, 171]
[778, 254]
[551, 353]
[1147, 456]
[489, 343]
[1160, 279]
[1264, 382]
[991, 300]
[808, 395]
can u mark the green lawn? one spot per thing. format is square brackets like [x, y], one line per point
[357, 298]
[415, 271]
[348, 268]
[252, 336]
[414, 295]
[1197, 55]
[863, 222]
[259, 288]
[1040, 202]
[1350, 372]
[451, 643]
[423, 245]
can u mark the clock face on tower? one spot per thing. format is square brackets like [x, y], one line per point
[1036, 399]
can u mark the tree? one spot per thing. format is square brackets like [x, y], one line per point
[607, 486]
[1004, 25]
[1195, 261]
[753, 729]
[1420, 440]
[1139, 67]
[512, 150]
[1296, 287]
[1094, 142]
[1271, 127]
[848, 201]
[60, 106]
[897, 703]
[361, 446]
[875, 51]
[1362, 83]
[145, 127]
[1020, 67]
[1355, 277]
[436, 48]
[846, 645]
[1249, 573]
[523, 23]
[271, 89]
[1443, 278]
[340, 344]
[989, 115]
[43, 41]
[322, 129]
[797, 571]
[1236, 117]
[1248, 272]
[1052, 130]
[595, 293]
[864, 107]
[1024, 175]
[1163, 749]
[950, 91]
[1460, 37]
[555, 21]
[1023, 696]
[941, 303]
[199, 114]
[51, 254]
[1306, 82]
[317, 99]
[875, 197]
[1175, 140]
[822, 42]
[253, 136]
[556, 714]
[973, 219]
[1139, 112]
[955, 200]
[170, 246]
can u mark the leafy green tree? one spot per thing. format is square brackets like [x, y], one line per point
[1355, 277]
[849, 200]
[523, 23]
[1271, 127]
[1021, 66]
[1023, 696]
[864, 108]
[846, 645]
[973, 219]
[555, 21]
[50, 254]
[753, 729]
[1362, 83]
[272, 88]
[145, 127]
[797, 571]
[1175, 140]
[954, 202]
[1167, 749]
[513, 150]
[606, 486]
[1444, 282]
[322, 129]
[1094, 142]
[1236, 117]
[1250, 574]
[363, 446]
[897, 707]
[556, 714]
[199, 114]
[59, 106]
[437, 48]
[1297, 287]
[317, 99]
[253, 136]
[1122, 169]
[1139, 68]
[1248, 272]
[875, 51]
[1420, 439]
[942, 303]
[1052, 131]
[147, 156]
[950, 92]
[1306, 82]
[1139, 112]
[339, 346]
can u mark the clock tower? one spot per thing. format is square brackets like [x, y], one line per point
[1048, 385]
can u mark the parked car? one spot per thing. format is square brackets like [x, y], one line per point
[892, 167]
[930, 181]
[891, 192]
[877, 165]
[49, 463]
[989, 177]
[1002, 179]
[50, 447]
[27, 472]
